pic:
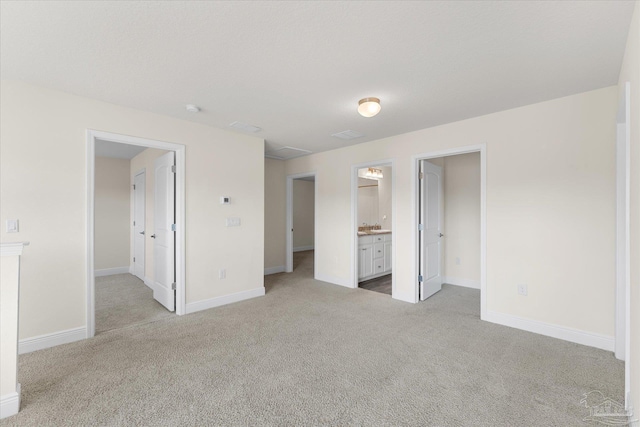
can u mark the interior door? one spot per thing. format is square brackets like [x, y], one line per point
[164, 234]
[430, 229]
[139, 182]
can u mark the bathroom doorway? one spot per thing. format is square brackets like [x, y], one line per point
[374, 227]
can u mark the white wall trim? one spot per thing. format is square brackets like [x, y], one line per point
[180, 188]
[401, 296]
[111, 271]
[12, 249]
[274, 270]
[10, 403]
[148, 282]
[467, 283]
[303, 248]
[193, 307]
[333, 280]
[289, 236]
[550, 330]
[40, 342]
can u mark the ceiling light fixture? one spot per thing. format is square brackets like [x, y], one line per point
[369, 107]
[192, 108]
[374, 173]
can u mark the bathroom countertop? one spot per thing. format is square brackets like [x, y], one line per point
[367, 233]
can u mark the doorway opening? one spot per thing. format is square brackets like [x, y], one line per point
[301, 230]
[449, 210]
[375, 230]
[135, 230]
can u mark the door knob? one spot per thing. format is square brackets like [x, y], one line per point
[441, 235]
[153, 236]
[142, 232]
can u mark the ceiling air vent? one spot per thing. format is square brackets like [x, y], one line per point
[285, 153]
[348, 134]
[244, 127]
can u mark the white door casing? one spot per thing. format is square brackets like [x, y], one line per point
[430, 235]
[139, 222]
[163, 233]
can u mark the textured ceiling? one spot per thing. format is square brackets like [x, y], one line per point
[297, 69]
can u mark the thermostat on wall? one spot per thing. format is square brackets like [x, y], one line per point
[225, 200]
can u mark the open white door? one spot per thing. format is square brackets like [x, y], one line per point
[164, 231]
[139, 224]
[430, 229]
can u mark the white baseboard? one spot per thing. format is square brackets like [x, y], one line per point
[148, 282]
[303, 248]
[561, 332]
[467, 283]
[10, 403]
[192, 307]
[333, 280]
[40, 342]
[111, 271]
[274, 270]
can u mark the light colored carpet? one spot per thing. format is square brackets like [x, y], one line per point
[124, 300]
[311, 353]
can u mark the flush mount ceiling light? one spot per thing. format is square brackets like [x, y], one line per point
[192, 108]
[369, 107]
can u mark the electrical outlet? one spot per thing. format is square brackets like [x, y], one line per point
[457, 260]
[522, 289]
[222, 274]
[233, 222]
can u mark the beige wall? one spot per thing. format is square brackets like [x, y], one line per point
[303, 213]
[44, 186]
[550, 178]
[462, 217]
[112, 205]
[275, 215]
[630, 72]
[145, 161]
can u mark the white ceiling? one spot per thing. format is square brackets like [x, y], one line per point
[297, 69]
[117, 150]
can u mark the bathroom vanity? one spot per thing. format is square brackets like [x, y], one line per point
[374, 254]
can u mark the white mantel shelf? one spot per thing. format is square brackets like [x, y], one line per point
[13, 248]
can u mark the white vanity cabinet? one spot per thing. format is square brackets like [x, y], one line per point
[374, 256]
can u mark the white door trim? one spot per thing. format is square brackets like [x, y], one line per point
[92, 136]
[482, 149]
[132, 268]
[354, 220]
[289, 235]
[623, 245]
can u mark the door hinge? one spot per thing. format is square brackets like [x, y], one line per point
[420, 278]
[420, 227]
[134, 259]
[173, 168]
[134, 223]
[173, 227]
[134, 186]
[173, 286]
[421, 175]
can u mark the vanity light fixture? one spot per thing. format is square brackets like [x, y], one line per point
[369, 107]
[374, 173]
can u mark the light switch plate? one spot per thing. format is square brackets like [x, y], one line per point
[12, 226]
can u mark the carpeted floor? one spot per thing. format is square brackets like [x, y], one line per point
[124, 300]
[311, 353]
